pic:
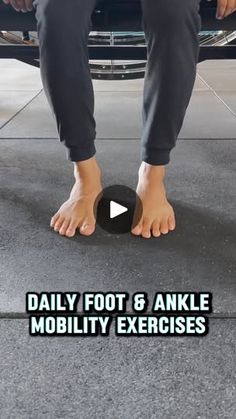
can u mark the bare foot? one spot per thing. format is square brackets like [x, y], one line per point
[78, 210]
[158, 215]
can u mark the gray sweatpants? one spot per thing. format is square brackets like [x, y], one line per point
[171, 29]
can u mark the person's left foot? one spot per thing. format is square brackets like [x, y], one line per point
[158, 215]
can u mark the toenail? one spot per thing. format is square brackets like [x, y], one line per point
[84, 226]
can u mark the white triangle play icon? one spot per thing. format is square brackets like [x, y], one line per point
[116, 209]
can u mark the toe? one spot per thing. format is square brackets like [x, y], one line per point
[164, 229]
[87, 227]
[156, 229]
[71, 230]
[64, 227]
[54, 220]
[146, 232]
[137, 230]
[58, 224]
[172, 223]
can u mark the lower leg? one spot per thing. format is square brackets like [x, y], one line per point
[171, 29]
[63, 29]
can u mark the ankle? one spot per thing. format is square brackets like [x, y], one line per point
[152, 172]
[87, 170]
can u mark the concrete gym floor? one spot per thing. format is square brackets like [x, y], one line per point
[118, 377]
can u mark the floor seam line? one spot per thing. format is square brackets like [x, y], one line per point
[20, 110]
[217, 96]
[25, 316]
[19, 91]
[115, 139]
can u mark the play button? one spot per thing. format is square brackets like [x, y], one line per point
[118, 209]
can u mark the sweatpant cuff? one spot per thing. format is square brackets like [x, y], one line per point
[155, 157]
[76, 154]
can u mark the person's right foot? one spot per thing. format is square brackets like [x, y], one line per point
[78, 211]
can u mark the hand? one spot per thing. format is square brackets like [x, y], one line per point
[225, 8]
[20, 5]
